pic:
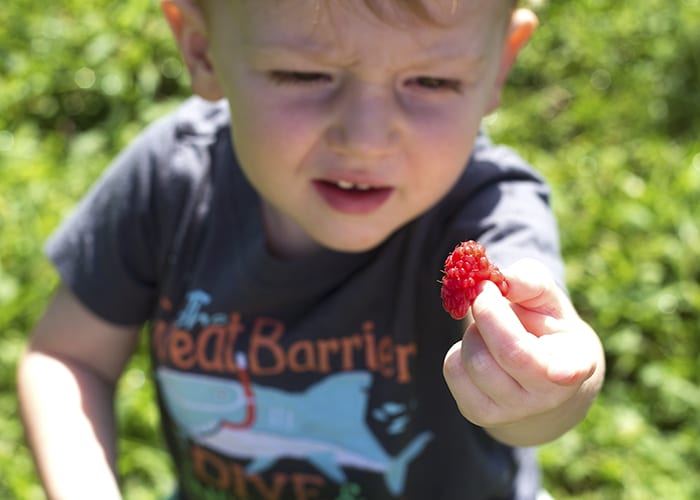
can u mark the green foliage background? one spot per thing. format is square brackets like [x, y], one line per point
[604, 101]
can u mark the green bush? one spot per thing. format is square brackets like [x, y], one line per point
[613, 123]
[604, 101]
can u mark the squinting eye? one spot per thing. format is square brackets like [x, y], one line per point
[298, 77]
[432, 83]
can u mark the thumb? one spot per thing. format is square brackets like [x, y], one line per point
[539, 302]
[532, 286]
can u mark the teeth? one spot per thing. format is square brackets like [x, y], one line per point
[347, 185]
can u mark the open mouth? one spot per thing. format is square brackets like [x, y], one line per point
[352, 198]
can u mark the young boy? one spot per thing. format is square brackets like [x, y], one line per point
[283, 234]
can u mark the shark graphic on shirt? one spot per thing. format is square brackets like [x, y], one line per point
[324, 425]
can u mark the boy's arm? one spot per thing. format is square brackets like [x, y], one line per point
[528, 367]
[66, 382]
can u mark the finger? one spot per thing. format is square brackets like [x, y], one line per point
[474, 404]
[487, 401]
[559, 354]
[513, 347]
[573, 356]
[532, 287]
[546, 311]
[537, 300]
[483, 369]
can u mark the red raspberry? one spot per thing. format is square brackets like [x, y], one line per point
[465, 268]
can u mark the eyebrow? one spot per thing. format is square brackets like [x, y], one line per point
[304, 50]
[327, 55]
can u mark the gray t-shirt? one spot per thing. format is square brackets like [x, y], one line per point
[318, 377]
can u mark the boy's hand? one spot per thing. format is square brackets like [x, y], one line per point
[528, 367]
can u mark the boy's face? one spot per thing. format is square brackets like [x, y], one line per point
[350, 126]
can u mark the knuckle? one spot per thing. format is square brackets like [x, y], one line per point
[480, 364]
[484, 414]
[516, 355]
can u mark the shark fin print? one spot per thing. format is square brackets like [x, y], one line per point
[326, 463]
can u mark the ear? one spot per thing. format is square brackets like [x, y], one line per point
[186, 21]
[522, 24]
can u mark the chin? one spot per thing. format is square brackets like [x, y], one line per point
[347, 244]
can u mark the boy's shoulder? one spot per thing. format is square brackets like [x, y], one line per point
[498, 160]
[195, 121]
[492, 170]
[204, 117]
[175, 149]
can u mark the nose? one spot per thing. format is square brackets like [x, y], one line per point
[366, 121]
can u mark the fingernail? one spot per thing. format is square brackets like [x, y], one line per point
[561, 372]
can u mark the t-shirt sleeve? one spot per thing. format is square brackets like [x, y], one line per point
[522, 225]
[107, 250]
[508, 210]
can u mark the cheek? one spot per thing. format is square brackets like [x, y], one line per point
[268, 130]
[443, 148]
[448, 128]
[438, 158]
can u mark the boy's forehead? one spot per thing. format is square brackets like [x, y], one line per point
[469, 25]
[401, 12]
[352, 30]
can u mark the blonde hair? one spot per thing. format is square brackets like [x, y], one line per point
[416, 8]
[391, 10]
[387, 9]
